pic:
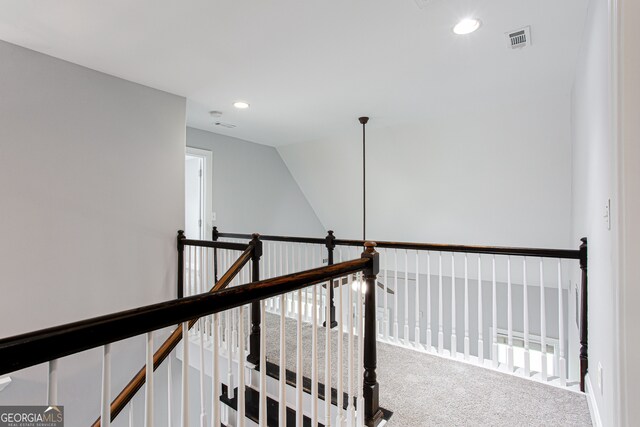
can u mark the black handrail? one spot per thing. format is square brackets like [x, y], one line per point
[23, 351]
[183, 241]
[495, 250]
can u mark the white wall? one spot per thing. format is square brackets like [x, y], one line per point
[593, 185]
[629, 209]
[92, 194]
[252, 189]
[488, 174]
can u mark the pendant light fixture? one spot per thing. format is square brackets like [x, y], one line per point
[363, 121]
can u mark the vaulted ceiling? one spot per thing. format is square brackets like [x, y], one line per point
[308, 68]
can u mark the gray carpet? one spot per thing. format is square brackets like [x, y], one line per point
[425, 390]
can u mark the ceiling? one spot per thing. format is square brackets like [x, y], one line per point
[310, 68]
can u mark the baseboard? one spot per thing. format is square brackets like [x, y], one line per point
[593, 405]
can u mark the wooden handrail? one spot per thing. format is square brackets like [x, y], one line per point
[136, 383]
[25, 350]
[215, 244]
[495, 250]
[22, 351]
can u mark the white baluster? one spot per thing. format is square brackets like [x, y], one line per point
[350, 408]
[131, 413]
[466, 309]
[282, 389]
[327, 358]
[304, 265]
[417, 311]
[525, 293]
[148, 387]
[561, 361]
[385, 323]
[494, 313]
[201, 272]
[406, 298]
[105, 419]
[203, 414]
[227, 341]
[360, 362]
[52, 389]
[192, 257]
[299, 364]
[454, 339]
[314, 357]
[428, 301]
[543, 324]
[185, 374]
[289, 295]
[186, 287]
[480, 340]
[396, 334]
[340, 359]
[263, 367]
[241, 368]
[440, 310]
[169, 391]
[509, 318]
[215, 373]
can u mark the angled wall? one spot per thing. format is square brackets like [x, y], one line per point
[494, 174]
[252, 189]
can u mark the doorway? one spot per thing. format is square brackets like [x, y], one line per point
[198, 193]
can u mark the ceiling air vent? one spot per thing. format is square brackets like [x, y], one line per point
[519, 38]
[225, 125]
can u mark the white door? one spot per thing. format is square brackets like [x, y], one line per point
[194, 202]
[199, 215]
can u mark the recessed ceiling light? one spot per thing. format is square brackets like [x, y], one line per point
[467, 26]
[241, 105]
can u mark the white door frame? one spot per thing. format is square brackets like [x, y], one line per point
[207, 181]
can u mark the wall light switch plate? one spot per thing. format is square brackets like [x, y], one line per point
[213, 216]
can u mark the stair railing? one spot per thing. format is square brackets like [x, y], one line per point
[52, 344]
[515, 296]
[192, 267]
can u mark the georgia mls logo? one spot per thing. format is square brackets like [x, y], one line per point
[31, 416]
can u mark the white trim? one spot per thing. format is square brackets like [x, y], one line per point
[591, 401]
[207, 157]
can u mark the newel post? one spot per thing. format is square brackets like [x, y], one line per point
[330, 244]
[180, 291]
[254, 337]
[214, 236]
[584, 320]
[371, 392]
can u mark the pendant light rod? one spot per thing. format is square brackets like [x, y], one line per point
[363, 121]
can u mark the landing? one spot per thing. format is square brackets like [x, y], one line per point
[422, 389]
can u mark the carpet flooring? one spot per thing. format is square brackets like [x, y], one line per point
[426, 390]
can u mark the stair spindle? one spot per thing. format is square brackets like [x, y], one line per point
[509, 317]
[562, 371]
[480, 328]
[440, 307]
[543, 324]
[52, 388]
[105, 418]
[525, 310]
[148, 391]
[454, 340]
[466, 308]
